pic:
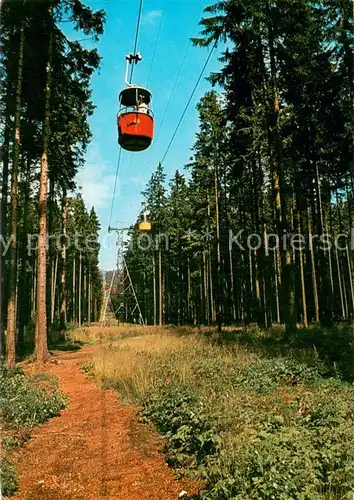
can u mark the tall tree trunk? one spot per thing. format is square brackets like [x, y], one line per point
[160, 285]
[287, 278]
[2, 337]
[154, 284]
[259, 257]
[341, 262]
[326, 300]
[267, 285]
[232, 282]
[178, 288]
[50, 250]
[54, 287]
[63, 285]
[163, 298]
[257, 276]
[218, 251]
[80, 291]
[313, 268]
[276, 281]
[85, 294]
[340, 283]
[5, 154]
[302, 276]
[41, 345]
[350, 66]
[74, 291]
[289, 296]
[205, 287]
[89, 297]
[250, 266]
[189, 291]
[330, 266]
[34, 289]
[146, 316]
[51, 286]
[11, 307]
[24, 299]
[349, 264]
[212, 311]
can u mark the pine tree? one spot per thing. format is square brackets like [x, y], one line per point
[47, 102]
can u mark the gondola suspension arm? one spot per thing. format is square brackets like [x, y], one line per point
[131, 59]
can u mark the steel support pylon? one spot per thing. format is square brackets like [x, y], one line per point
[122, 287]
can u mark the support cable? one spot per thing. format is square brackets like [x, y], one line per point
[136, 38]
[115, 187]
[156, 44]
[177, 78]
[131, 76]
[188, 102]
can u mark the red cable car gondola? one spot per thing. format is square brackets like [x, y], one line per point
[135, 118]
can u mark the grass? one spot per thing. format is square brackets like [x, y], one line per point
[134, 364]
[97, 333]
[249, 421]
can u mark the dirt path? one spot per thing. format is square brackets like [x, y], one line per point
[95, 449]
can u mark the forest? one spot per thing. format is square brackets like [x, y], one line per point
[259, 227]
[49, 277]
[227, 324]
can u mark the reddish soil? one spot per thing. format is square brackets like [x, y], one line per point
[95, 449]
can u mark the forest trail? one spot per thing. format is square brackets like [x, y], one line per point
[95, 449]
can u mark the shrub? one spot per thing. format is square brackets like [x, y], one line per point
[8, 479]
[265, 375]
[291, 462]
[28, 400]
[309, 455]
[182, 420]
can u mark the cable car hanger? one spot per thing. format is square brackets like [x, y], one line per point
[131, 58]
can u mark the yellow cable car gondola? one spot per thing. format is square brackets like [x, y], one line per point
[144, 224]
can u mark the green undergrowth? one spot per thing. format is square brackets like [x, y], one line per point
[333, 346]
[248, 426]
[25, 401]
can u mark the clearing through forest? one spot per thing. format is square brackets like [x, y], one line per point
[95, 449]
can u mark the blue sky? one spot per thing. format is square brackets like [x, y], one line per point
[179, 21]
